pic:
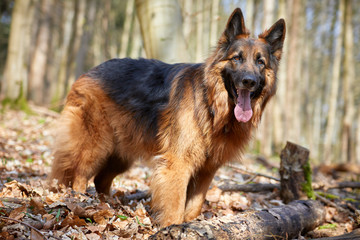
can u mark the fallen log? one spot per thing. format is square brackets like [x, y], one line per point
[283, 222]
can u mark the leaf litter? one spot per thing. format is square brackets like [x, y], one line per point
[31, 209]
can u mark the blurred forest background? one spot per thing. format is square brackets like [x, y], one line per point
[46, 44]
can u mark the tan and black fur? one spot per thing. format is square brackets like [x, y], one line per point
[181, 117]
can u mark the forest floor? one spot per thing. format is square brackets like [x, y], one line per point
[29, 209]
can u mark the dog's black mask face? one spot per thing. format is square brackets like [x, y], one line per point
[248, 62]
[244, 71]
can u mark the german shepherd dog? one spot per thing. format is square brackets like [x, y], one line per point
[188, 119]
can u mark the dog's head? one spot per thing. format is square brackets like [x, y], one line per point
[249, 65]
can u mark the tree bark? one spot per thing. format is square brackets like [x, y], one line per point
[86, 36]
[335, 83]
[249, 14]
[15, 72]
[36, 87]
[348, 86]
[326, 59]
[294, 56]
[283, 222]
[68, 16]
[265, 132]
[161, 28]
[295, 173]
[214, 24]
[199, 30]
[279, 100]
[125, 35]
[76, 33]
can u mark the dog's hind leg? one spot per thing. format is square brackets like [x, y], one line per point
[81, 148]
[84, 138]
[115, 165]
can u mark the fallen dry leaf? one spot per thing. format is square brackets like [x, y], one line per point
[18, 213]
[34, 235]
[37, 206]
[102, 217]
[77, 209]
[72, 220]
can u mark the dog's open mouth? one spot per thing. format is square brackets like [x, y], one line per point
[243, 111]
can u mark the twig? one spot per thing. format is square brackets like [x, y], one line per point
[253, 187]
[13, 200]
[345, 185]
[136, 196]
[44, 111]
[332, 204]
[25, 224]
[254, 173]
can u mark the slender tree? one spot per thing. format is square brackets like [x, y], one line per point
[348, 137]
[15, 72]
[36, 86]
[266, 128]
[161, 28]
[294, 56]
[125, 36]
[335, 83]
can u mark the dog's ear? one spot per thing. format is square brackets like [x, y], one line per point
[235, 26]
[275, 37]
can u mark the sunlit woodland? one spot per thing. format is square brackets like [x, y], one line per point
[46, 44]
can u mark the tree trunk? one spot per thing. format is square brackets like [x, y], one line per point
[199, 30]
[249, 14]
[188, 13]
[161, 28]
[36, 87]
[285, 222]
[214, 24]
[325, 87]
[348, 85]
[85, 38]
[265, 132]
[77, 31]
[15, 72]
[279, 100]
[137, 49]
[335, 82]
[317, 90]
[358, 139]
[68, 16]
[125, 36]
[294, 56]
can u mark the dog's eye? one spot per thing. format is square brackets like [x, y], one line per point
[260, 62]
[236, 58]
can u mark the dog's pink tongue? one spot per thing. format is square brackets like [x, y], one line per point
[243, 111]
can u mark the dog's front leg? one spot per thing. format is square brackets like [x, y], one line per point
[197, 189]
[168, 187]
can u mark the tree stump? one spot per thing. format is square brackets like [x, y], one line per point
[295, 173]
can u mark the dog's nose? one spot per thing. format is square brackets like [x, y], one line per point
[249, 81]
